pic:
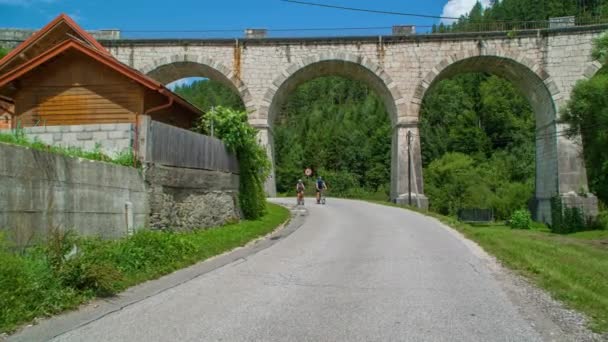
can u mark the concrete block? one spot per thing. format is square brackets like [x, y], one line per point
[35, 130]
[118, 135]
[108, 127]
[76, 128]
[84, 136]
[100, 136]
[91, 128]
[53, 129]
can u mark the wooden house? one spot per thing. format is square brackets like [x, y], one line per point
[63, 76]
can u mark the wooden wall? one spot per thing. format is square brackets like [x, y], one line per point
[73, 89]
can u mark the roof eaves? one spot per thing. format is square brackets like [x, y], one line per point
[47, 28]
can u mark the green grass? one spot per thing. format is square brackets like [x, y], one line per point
[41, 282]
[17, 137]
[572, 268]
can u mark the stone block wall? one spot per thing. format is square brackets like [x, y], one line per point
[186, 199]
[111, 138]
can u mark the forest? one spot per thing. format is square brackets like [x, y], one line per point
[476, 130]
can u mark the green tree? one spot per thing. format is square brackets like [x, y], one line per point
[587, 115]
[207, 94]
[3, 52]
[338, 127]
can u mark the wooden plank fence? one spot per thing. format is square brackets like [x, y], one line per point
[177, 147]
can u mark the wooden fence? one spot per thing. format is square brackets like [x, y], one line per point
[172, 146]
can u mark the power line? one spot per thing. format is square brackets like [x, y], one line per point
[270, 30]
[368, 10]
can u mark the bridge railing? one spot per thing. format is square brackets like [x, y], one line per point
[471, 27]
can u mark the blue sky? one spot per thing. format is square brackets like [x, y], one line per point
[178, 15]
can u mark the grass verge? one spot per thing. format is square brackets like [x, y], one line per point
[17, 137]
[42, 281]
[572, 268]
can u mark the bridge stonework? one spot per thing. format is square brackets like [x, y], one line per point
[544, 65]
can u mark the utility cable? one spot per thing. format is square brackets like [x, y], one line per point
[368, 10]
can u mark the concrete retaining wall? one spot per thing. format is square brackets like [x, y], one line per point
[43, 191]
[111, 138]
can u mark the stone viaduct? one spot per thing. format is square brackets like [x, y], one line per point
[544, 64]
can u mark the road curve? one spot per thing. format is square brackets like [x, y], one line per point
[353, 271]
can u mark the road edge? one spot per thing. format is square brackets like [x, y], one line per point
[55, 326]
[549, 317]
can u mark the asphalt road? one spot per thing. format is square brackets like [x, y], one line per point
[353, 272]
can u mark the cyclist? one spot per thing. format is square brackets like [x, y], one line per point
[321, 186]
[300, 191]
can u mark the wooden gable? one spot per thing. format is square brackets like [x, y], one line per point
[73, 89]
[57, 31]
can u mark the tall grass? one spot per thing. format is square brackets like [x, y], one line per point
[69, 270]
[18, 137]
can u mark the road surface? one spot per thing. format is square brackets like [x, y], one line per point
[353, 271]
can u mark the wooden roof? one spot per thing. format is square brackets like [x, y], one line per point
[55, 32]
[55, 39]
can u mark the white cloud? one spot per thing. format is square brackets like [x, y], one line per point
[456, 8]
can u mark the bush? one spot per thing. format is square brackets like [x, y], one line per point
[602, 220]
[521, 219]
[339, 183]
[232, 127]
[572, 220]
[84, 274]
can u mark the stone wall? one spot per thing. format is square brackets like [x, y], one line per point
[111, 138]
[185, 199]
[43, 191]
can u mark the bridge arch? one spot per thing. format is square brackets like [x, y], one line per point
[559, 169]
[342, 64]
[175, 67]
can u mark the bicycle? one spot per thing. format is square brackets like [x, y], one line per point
[301, 198]
[321, 199]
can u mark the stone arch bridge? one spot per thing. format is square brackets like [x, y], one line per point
[544, 64]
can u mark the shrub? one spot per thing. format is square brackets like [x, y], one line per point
[339, 183]
[602, 220]
[84, 274]
[254, 165]
[521, 219]
[571, 220]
